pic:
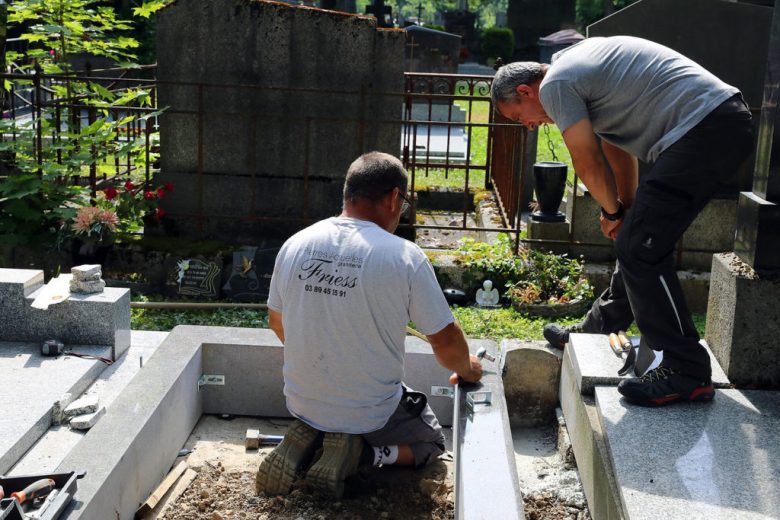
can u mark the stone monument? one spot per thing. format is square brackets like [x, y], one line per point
[743, 316]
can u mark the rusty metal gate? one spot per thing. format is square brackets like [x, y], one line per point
[451, 130]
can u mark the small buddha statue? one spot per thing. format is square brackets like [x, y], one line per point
[488, 295]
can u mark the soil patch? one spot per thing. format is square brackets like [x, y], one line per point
[224, 488]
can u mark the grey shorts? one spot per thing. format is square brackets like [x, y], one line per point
[412, 423]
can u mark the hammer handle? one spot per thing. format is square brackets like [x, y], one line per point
[37, 488]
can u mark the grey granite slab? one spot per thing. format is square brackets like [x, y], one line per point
[30, 386]
[595, 364]
[50, 450]
[82, 319]
[718, 460]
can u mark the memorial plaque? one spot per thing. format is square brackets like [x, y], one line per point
[249, 278]
[198, 278]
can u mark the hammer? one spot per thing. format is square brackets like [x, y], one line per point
[482, 353]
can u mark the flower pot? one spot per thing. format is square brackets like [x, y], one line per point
[553, 310]
[549, 184]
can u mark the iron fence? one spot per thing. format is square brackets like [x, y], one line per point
[496, 154]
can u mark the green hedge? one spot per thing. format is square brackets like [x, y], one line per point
[498, 42]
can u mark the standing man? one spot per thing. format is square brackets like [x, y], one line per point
[342, 293]
[641, 100]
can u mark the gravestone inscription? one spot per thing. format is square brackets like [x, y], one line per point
[198, 278]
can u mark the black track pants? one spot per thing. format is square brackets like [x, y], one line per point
[670, 195]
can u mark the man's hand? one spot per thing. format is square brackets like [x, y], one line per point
[474, 375]
[451, 350]
[610, 228]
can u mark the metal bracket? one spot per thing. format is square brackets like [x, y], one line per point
[481, 397]
[207, 379]
[442, 391]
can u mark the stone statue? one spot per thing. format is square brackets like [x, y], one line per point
[488, 295]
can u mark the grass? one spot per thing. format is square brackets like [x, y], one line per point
[494, 324]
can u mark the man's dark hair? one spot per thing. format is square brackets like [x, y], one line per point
[372, 175]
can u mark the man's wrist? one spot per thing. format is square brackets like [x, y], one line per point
[617, 215]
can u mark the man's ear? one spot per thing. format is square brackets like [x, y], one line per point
[523, 90]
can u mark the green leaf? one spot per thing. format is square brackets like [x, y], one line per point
[149, 7]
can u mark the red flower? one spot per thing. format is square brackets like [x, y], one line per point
[160, 193]
[110, 193]
[148, 195]
[169, 187]
[159, 213]
[129, 186]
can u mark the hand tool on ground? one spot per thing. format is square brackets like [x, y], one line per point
[52, 347]
[482, 353]
[628, 348]
[41, 510]
[38, 488]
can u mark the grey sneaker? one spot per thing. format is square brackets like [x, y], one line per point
[340, 459]
[280, 468]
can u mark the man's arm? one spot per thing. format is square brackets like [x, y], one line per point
[605, 183]
[275, 324]
[590, 166]
[625, 168]
[452, 352]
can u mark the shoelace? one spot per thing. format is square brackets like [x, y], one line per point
[656, 374]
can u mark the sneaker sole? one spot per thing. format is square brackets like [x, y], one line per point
[700, 395]
[278, 471]
[340, 459]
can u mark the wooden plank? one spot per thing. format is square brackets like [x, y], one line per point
[158, 493]
[181, 486]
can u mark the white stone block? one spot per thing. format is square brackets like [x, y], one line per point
[87, 421]
[84, 405]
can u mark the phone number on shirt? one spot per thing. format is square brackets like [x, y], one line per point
[338, 293]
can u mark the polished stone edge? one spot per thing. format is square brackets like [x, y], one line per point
[486, 481]
[590, 451]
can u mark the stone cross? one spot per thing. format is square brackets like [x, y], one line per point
[757, 239]
[382, 12]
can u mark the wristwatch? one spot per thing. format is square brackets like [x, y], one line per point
[616, 215]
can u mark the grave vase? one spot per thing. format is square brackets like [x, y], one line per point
[549, 184]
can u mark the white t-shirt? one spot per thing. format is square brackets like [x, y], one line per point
[346, 289]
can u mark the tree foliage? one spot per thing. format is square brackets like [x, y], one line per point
[70, 27]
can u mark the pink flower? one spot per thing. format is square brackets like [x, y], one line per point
[160, 193]
[148, 195]
[159, 213]
[129, 186]
[110, 193]
[169, 187]
[91, 220]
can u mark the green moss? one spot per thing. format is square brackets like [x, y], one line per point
[482, 195]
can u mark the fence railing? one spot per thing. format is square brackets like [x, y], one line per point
[447, 125]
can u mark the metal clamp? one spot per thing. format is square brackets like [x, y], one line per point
[480, 397]
[207, 379]
[442, 391]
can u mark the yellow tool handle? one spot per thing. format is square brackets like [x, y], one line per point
[416, 334]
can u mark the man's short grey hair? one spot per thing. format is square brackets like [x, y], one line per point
[509, 76]
[372, 176]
